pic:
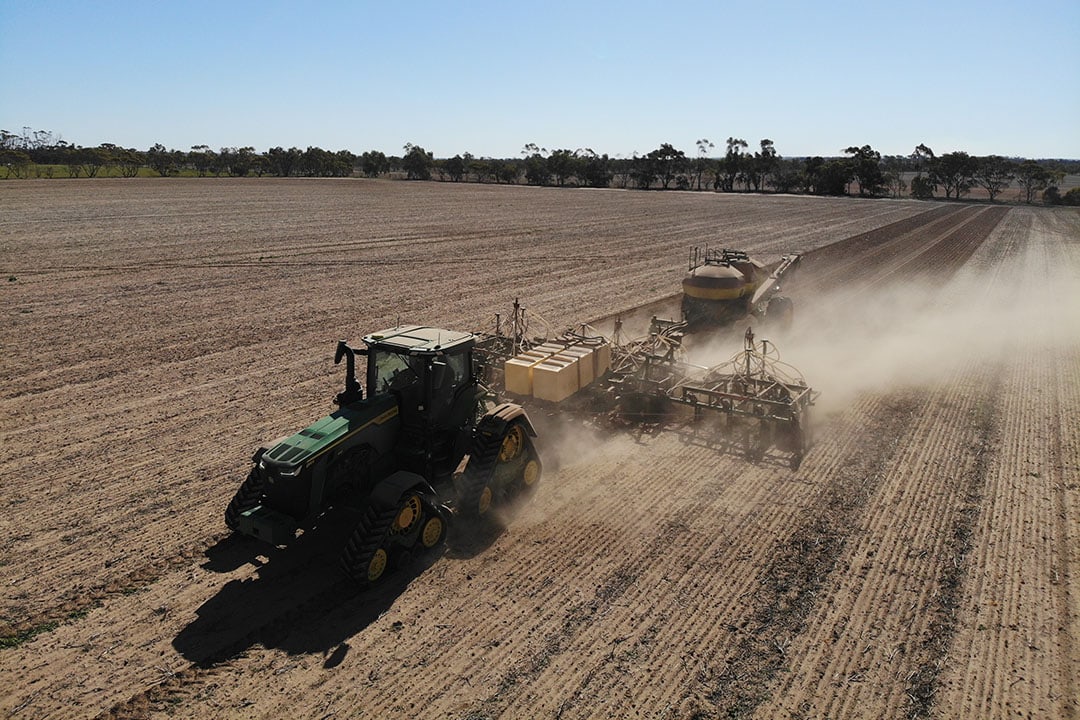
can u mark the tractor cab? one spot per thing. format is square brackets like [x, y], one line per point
[425, 364]
[429, 372]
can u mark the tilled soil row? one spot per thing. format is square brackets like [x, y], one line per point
[802, 563]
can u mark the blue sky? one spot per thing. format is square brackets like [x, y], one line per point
[488, 77]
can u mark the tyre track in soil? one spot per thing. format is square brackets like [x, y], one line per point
[1003, 396]
[787, 597]
[698, 617]
[1011, 658]
[83, 443]
[778, 583]
[873, 647]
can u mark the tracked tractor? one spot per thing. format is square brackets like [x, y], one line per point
[413, 452]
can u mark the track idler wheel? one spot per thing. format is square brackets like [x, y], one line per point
[433, 530]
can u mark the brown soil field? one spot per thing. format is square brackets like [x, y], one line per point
[923, 561]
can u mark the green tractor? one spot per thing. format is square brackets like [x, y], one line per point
[413, 452]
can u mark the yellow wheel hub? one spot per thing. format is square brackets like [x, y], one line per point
[408, 515]
[512, 444]
[485, 501]
[532, 473]
[432, 532]
[377, 566]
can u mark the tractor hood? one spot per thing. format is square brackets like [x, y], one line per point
[327, 433]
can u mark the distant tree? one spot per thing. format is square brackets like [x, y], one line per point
[238, 161]
[922, 187]
[994, 174]
[531, 149]
[160, 160]
[110, 155]
[130, 161]
[417, 162]
[537, 171]
[454, 168]
[622, 171]
[786, 177]
[955, 172]
[562, 165]
[1033, 177]
[893, 173]
[344, 164]
[1051, 195]
[764, 163]
[15, 162]
[643, 171]
[201, 157]
[666, 163]
[480, 168]
[595, 169]
[732, 165]
[701, 163]
[374, 163]
[866, 169]
[828, 177]
[505, 171]
[317, 162]
[282, 162]
[922, 156]
[1072, 197]
[92, 160]
[260, 165]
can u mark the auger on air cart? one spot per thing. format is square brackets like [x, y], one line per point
[415, 450]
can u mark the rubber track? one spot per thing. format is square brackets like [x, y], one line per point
[365, 540]
[246, 497]
[481, 467]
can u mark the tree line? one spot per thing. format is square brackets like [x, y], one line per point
[860, 169]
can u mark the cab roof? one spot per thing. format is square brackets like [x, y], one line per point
[421, 340]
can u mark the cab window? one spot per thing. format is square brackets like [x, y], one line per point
[393, 371]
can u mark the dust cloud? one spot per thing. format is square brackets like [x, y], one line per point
[564, 439]
[917, 334]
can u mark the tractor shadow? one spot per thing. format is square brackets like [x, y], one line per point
[467, 539]
[297, 600]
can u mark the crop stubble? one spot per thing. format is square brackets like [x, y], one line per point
[157, 331]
